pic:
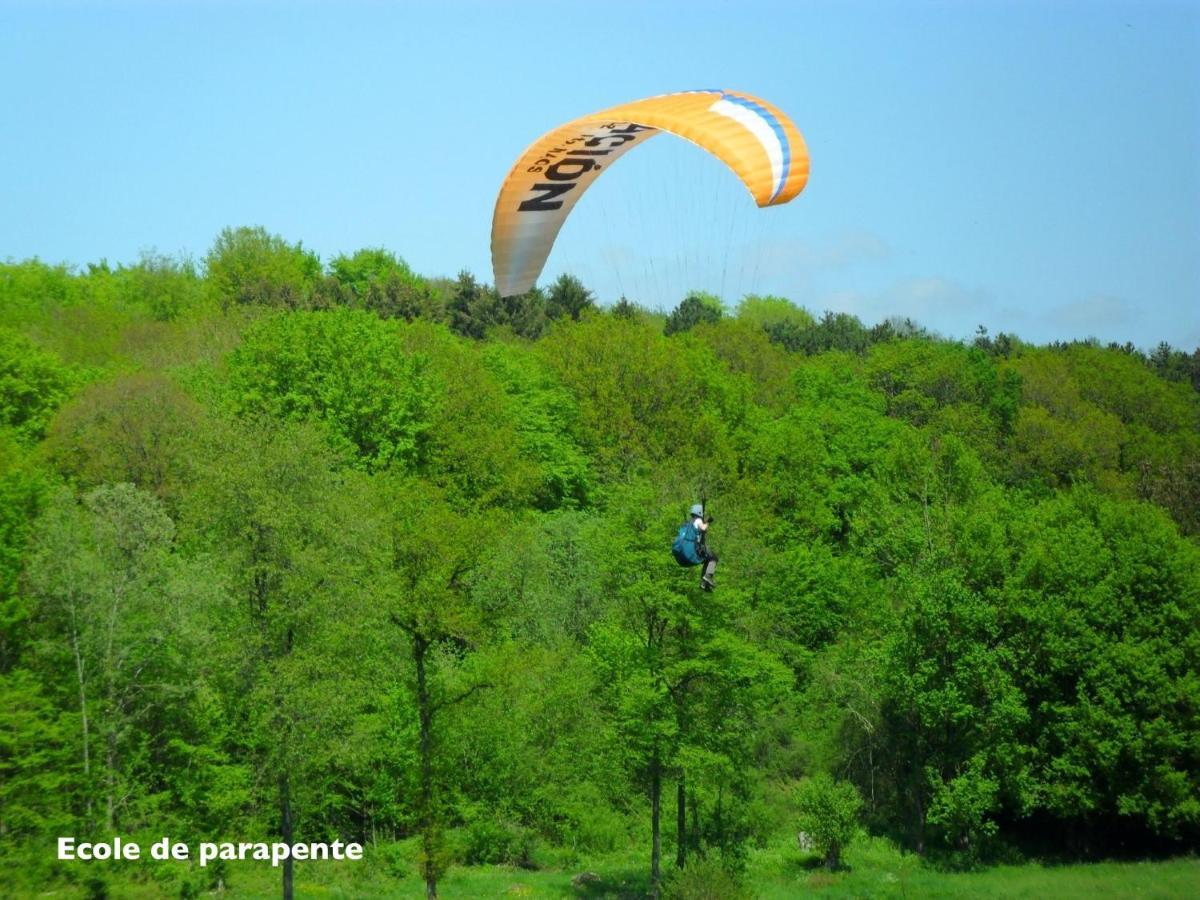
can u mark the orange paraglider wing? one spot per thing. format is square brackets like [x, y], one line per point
[758, 142]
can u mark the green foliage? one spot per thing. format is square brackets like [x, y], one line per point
[249, 265]
[526, 314]
[22, 490]
[706, 879]
[745, 350]
[808, 596]
[396, 564]
[696, 308]
[36, 298]
[1099, 594]
[1002, 344]
[546, 756]
[546, 417]
[120, 609]
[80, 318]
[813, 466]
[1059, 437]
[961, 808]
[639, 394]
[135, 428]
[473, 308]
[36, 760]
[1176, 365]
[625, 308]
[366, 269]
[346, 369]
[380, 281]
[167, 288]
[32, 385]
[828, 816]
[763, 311]
[30, 286]
[686, 689]
[1102, 417]
[951, 701]
[923, 379]
[568, 297]
[476, 453]
[834, 331]
[489, 842]
[290, 626]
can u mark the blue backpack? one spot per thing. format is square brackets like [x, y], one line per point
[685, 549]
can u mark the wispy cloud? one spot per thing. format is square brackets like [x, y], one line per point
[1093, 315]
[799, 259]
[938, 303]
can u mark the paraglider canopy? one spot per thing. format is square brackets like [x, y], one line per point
[757, 141]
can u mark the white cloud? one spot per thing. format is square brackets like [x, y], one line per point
[794, 258]
[1099, 314]
[937, 303]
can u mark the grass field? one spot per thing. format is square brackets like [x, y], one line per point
[874, 869]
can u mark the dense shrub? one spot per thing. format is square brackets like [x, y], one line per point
[828, 815]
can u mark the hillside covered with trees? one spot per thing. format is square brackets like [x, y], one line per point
[305, 550]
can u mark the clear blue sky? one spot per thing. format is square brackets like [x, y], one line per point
[1033, 167]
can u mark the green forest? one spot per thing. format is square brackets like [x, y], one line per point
[301, 550]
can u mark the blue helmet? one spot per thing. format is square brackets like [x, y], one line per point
[697, 510]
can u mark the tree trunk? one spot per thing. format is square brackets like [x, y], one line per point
[285, 828]
[718, 823]
[680, 822]
[110, 778]
[655, 826]
[83, 716]
[695, 832]
[425, 713]
[919, 808]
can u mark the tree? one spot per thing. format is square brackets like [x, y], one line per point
[290, 627]
[421, 578]
[378, 280]
[1003, 345]
[921, 378]
[32, 385]
[952, 708]
[828, 815]
[638, 392]
[634, 651]
[765, 310]
[135, 428]
[32, 286]
[813, 467]
[546, 418]
[834, 331]
[1101, 598]
[37, 765]
[367, 268]
[121, 605]
[476, 454]
[346, 369]
[473, 308]
[682, 684]
[23, 487]
[746, 350]
[568, 297]
[251, 266]
[166, 287]
[526, 313]
[695, 308]
[626, 309]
